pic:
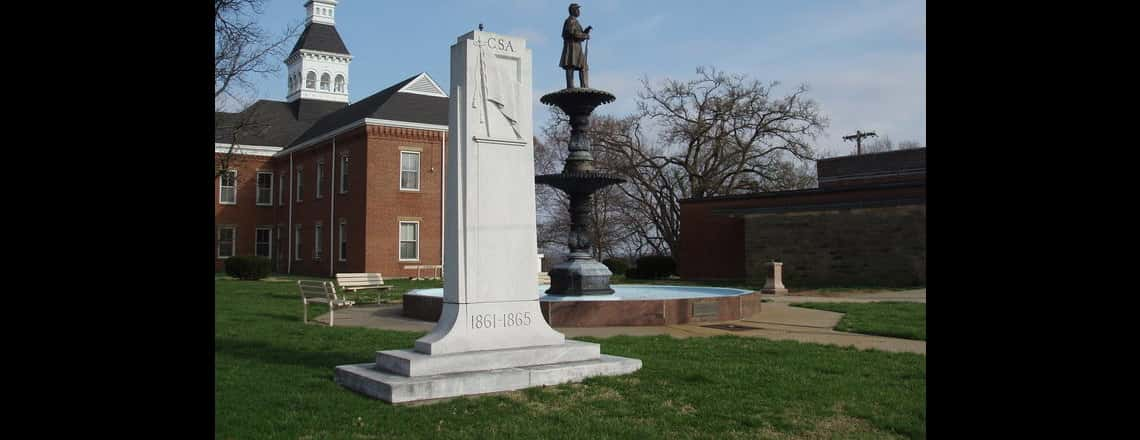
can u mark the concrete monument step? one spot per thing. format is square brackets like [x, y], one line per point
[394, 388]
[413, 364]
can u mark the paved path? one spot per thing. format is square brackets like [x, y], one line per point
[776, 320]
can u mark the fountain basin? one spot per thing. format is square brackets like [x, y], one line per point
[629, 305]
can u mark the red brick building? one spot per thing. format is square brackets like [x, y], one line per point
[865, 225]
[322, 186]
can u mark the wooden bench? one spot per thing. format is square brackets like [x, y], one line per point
[436, 271]
[321, 292]
[359, 281]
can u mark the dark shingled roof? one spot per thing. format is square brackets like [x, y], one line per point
[271, 123]
[385, 104]
[281, 124]
[320, 37]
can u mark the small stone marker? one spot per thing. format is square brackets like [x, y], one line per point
[775, 282]
[491, 335]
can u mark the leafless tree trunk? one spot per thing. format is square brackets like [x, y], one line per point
[242, 50]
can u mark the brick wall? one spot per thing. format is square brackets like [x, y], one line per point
[372, 207]
[386, 204]
[245, 215]
[882, 246]
[311, 210]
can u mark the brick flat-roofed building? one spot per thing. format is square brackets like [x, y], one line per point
[322, 186]
[864, 226]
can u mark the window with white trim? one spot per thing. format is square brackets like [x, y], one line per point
[261, 243]
[227, 236]
[338, 84]
[311, 80]
[300, 184]
[325, 79]
[317, 241]
[227, 190]
[409, 241]
[320, 177]
[410, 170]
[342, 232]
[264, 188]
[343, 173]
[297, 243]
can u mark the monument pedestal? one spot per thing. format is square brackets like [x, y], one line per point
[491, 336]
[400, 376]
[774, 285]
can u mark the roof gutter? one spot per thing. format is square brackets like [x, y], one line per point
[362, 122]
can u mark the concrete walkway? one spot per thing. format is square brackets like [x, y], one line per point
[776, 320]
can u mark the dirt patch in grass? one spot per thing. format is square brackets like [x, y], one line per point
[836, 426]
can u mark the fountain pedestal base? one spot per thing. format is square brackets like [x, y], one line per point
[580, 277]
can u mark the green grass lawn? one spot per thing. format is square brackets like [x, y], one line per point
[895, 319]
[274, 379]
[399, 287]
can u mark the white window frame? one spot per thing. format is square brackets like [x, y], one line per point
[297, 242]
[257, 183]
[400, 242]
[317, 229]
[300, 183]
[222, 187]
[420, 167]
[233, 241]
[320, 178]
[342, 244]
[344, 173]
[268, 242]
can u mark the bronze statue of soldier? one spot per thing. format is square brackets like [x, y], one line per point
[573, 58]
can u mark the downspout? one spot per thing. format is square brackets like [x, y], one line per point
[442, 193]
[289, 259]
[332, 201]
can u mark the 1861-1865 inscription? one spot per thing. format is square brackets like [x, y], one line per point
[499, 320]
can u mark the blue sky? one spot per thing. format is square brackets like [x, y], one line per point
[864, 60]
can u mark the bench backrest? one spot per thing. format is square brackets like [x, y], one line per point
[359, 279]
[316, 289]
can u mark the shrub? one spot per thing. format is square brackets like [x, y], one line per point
[616, 266]
[248, 267]
[653, 267]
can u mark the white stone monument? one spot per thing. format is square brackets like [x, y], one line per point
[491, 336]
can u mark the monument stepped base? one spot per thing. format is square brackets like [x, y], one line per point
[373, 381]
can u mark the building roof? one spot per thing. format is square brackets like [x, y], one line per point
[390, 103]
[271, 123]
[320, 37]
[862, 169]
[285, 124]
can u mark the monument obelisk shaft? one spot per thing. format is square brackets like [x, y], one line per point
[490, 296]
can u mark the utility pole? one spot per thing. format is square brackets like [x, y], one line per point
[858, 137]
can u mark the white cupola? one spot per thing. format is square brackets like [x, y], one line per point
[321, 11]
[318, 63]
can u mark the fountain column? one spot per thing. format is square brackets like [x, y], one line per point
[581, 274]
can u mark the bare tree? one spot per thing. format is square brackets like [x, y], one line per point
[884, 144]
[243, 50]
[718, 134]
